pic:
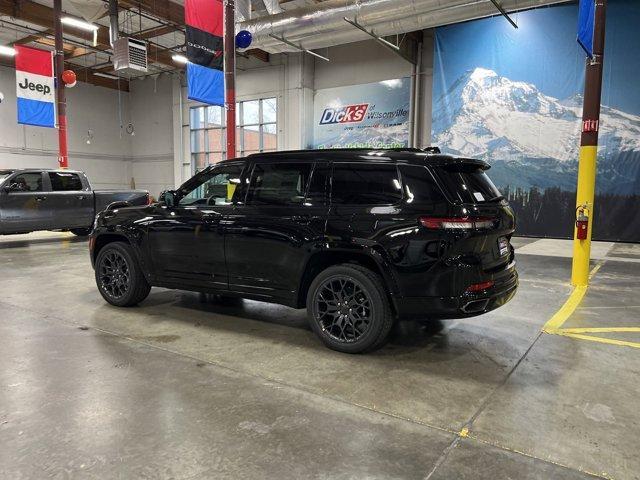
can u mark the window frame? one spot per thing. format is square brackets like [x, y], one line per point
[212, 169]
[202, 113]
[45, 183]
[351, 162]
[249, 178]
[51, 183]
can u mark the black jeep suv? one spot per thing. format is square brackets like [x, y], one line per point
[358, 237]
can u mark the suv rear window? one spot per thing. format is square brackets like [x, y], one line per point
[365, 184]
[420, 187]
[468, 184]
[278, 184]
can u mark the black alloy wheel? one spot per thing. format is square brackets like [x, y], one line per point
[343, 309]
[349, 309]
[115, 275]
[119, 277]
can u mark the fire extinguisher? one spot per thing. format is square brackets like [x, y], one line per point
[582, 222]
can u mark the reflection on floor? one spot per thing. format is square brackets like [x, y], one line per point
[184, 387]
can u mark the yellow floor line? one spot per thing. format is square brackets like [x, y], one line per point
[561, 316]
[600, 329]
[591, 338]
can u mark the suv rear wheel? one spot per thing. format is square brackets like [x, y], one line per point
[119, 277]
[349, 309]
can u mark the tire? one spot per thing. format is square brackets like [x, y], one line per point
[358, 287]
[81, 232]
[131, 287]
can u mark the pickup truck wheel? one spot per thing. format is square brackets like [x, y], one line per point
[119, 277]
[349, 309]
[81, 232]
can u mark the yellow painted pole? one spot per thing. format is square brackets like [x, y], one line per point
[589, 147]
[584, 197]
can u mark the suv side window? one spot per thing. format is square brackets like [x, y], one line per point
[278, 183]
[214, 187]
[365, 184]
[65, 182]
[27, 182]
[420, 188]
[319, 186]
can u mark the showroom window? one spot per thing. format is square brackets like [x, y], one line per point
[256, 122]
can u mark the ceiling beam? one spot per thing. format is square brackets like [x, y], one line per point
[173, 12]
[32, 12]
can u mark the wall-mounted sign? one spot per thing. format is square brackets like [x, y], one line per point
[373, 115]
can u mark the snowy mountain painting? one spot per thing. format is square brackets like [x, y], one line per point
[532, 139]
[512, 97]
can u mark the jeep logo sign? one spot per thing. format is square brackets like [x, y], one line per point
[38, 87]
[35, 87]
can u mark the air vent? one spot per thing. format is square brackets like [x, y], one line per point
[129, 56]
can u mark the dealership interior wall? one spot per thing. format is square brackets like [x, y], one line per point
[158, 156]
[148, 342]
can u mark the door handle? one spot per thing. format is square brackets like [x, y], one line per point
[81, 197]
[40, 199]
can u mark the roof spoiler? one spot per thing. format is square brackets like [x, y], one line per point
[456, 163]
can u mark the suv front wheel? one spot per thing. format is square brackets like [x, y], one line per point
[349, 309]
[119, 277]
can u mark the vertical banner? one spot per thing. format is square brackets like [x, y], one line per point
[35, 87]
[586, 12]
[204, 32]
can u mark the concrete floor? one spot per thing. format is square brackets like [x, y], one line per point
[181, 388]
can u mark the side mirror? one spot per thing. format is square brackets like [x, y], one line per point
[168, 197]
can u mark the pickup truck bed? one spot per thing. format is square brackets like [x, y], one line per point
[38, 199]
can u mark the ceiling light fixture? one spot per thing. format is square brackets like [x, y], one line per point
[81, 24]
[176, 57]
[106, 75]
[7, 51]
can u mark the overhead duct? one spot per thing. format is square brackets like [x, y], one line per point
[113, 22]
[323, 25]
[272, 6]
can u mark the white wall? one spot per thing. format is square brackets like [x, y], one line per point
[158, 156]
[152, 145]
[106, 160]
[357, 63]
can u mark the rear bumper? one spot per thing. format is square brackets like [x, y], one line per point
[466, 305]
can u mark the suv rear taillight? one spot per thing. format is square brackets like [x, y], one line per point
[456, 223]
[480, 287]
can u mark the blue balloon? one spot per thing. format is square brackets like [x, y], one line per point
[243, 39]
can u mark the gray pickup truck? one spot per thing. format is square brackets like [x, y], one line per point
[40, 199]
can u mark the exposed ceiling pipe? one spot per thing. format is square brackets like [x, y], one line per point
[243, 10]
[113, 21]
[323, 25]
[272, 6]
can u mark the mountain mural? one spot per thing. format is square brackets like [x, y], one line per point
[532, 139]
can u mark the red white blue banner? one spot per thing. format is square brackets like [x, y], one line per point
[35, 87]
[204, 32]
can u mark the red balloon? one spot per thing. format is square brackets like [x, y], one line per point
[69, 78]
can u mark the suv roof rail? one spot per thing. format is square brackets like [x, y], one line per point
[432, 150]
